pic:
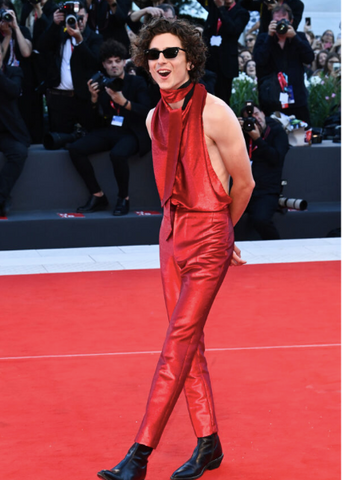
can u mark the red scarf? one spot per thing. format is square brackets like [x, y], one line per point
[166, 129]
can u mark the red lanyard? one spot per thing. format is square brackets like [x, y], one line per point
[117, 109]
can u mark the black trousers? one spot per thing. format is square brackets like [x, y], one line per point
[261, 210]
[121, 143]
[15, 154]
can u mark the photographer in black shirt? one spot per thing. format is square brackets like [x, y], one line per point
[14, 137]
[267, 145]
[280, 56]
[121, 102]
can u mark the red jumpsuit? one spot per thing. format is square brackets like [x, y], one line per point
[196, 245]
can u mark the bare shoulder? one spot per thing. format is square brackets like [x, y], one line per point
[218, 116]
[148, 121]
[215, 106]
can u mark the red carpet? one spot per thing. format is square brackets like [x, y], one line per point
[66, 417]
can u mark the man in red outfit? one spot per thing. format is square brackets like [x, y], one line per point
[197, 145]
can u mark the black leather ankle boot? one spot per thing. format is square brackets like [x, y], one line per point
[207, 455]
[133, 467]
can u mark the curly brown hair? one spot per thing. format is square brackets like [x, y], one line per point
[190, 38]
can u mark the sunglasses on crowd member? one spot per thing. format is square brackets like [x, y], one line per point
[171, 52]
[249, 39]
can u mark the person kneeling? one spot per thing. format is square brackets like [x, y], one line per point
[122, 103]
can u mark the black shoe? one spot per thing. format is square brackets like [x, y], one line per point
[94, 204]
[207, 455]
[122, 207]
[133, 467]
[5, 207]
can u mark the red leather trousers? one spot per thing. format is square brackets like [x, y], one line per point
[194, 261]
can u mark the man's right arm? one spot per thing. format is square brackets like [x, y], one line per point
[262, 49]
[223, 128]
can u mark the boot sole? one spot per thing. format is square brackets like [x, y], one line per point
[210, 466]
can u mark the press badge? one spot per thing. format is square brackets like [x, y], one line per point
[215, 40]
[290, 94]
[117, 121]
[283, 98]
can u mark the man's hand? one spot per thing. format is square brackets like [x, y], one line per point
[58, 17]
[270, 6]
[94, 90]
[255, 134]
[219, 3]
[117, 97]
[291, 33]
[154, 11]
[236, 260]
[112, 4]
[75, 32]
[272, 28]
[37, 7]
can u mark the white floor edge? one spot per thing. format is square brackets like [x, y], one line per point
[27, 262]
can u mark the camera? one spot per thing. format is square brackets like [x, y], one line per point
[5, 16]
[115, 84]
[249, 122]
[57, 140]
[70, 10]
[282, 26]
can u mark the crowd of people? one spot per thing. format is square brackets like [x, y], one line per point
[74, 59]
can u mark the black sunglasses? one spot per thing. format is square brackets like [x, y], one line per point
[171, 52]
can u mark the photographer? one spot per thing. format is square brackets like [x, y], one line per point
[16, 47]
[108, 17]
[267, 145]
[280, 56]
[14, 137]
[122, 106]
[265, 8]
[74, 51]
[225, 23]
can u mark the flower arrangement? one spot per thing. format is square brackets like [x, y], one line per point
[243, 88]
[324, 98]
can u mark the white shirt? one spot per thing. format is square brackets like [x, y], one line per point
[66, 78]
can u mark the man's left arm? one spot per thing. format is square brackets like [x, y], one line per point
[87, 50]
[304, 49]
[138, 102]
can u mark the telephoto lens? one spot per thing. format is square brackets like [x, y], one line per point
[293, 203]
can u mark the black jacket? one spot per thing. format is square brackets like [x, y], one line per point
[84, 62]
[10, 90]
[268, 155]
[297, 7]
[270, 57]
[224, 57]
[107, 24]
[136, 91]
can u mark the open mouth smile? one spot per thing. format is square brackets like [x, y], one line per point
[163, 73]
